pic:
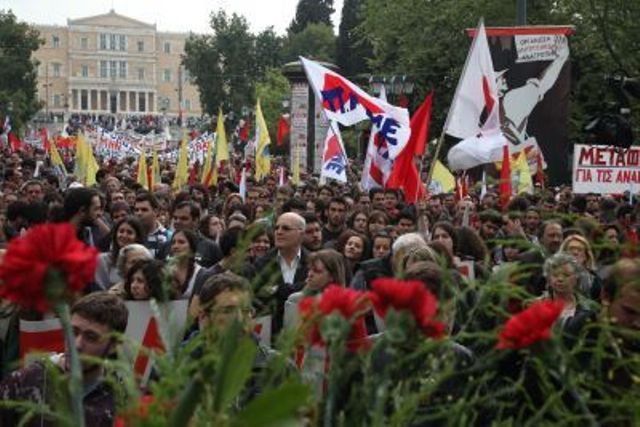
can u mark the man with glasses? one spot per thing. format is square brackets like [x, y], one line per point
[283, 270]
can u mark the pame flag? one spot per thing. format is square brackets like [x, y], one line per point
[334, 158]
[347, 104]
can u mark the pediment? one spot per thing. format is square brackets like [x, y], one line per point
[111, 19]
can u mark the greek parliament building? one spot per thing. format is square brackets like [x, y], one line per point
[113, 64]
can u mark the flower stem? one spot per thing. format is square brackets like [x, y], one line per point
[75, 374]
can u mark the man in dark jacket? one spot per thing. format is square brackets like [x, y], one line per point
[94, 319]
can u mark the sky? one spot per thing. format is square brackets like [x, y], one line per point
[168, 15]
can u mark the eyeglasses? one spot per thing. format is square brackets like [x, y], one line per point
[232, 309]
[286, 228]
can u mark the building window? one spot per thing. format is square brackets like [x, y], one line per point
[187, 104]
[84, 43]
[140, 73]
[113, 69]
[167, 47]
[103, 41]
[140, 45]
[122, 43]
[56, 100]
[123, 69]
[142, 102]
[112, 42]
[85, 71]
[55, 41]
[167, 75]
[103, 69]
[56, 70]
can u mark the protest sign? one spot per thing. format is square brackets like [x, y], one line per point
[605, 170]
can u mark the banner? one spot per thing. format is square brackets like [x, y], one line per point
[605, 170]
[348, 104]
[533, 74]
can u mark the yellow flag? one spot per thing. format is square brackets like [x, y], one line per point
[56, 159]
[155, 170]
[442, 180]
[521, 180]
[86, 165]
[143, 178]
[182, 177]
[263, 158]
[207, 171]
[222, 149]
[295, 179]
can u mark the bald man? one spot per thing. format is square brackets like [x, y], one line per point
[283, 269]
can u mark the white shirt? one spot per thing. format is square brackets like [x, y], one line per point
[289, 271]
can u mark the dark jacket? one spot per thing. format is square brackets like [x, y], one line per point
[270, 289]
[30, 384]
[207, 252]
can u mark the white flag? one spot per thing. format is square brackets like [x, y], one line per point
[334, 158]
[377, 165]
[475, 107]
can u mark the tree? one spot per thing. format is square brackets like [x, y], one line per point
[18, 72]
[269, 51]
[315, 41]
[311, 12]
[271, 91]
[352, 48]
[223, 65]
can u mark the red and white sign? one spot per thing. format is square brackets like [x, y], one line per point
[606, 170]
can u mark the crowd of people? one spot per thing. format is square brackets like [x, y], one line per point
[289, 242]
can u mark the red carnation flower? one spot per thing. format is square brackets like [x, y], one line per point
[531, 325]
[411, 296]
[348, 303]
[23, 271]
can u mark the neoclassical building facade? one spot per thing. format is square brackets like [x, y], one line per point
[113, 64]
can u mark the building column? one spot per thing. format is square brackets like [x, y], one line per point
[117, 102]
[99, 100]
[134, 107]
[126, 101]
[78, 103]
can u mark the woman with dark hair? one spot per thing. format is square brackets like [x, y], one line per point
[325, 267]
[184, 268]
[144, 281]
[260, 241]
[444, 233]
[126, 231]
[358, 221]
[470, 247]
[211, 227]
[378, 220]
[355, 249]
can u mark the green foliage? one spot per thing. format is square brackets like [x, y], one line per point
[311, 12]
[18, 72]
[315, 41]
[271, 91]
[225, 65]
[352, 49]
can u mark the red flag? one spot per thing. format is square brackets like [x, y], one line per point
[505, 178]
[404, 173]
[283, 129]
[193, 174]
[194, 134]
[46, 144]
[421, 132]
[244, 131]
[14, 141]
